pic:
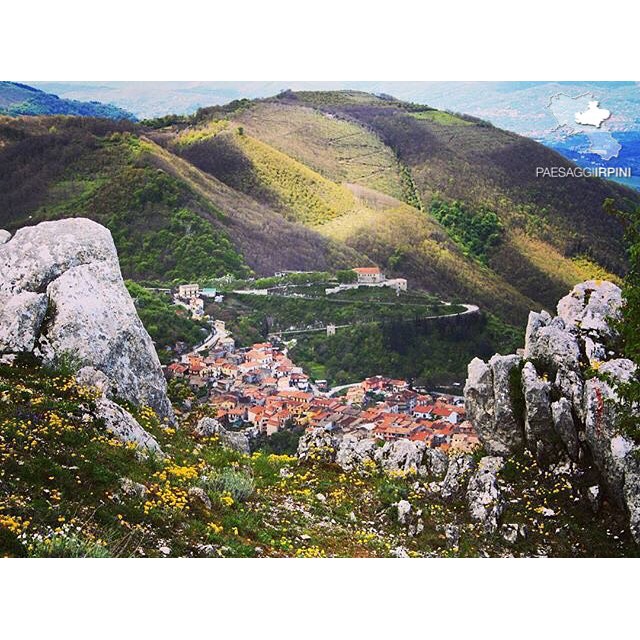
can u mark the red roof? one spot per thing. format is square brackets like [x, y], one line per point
[367, 270]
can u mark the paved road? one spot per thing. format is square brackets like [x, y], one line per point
[469, 308]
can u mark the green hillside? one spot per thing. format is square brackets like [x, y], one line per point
[321, 181]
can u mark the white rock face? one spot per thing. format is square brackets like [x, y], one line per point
[591, 306]
[4, 236]
[62, 295]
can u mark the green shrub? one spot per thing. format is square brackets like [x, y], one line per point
[237, 484]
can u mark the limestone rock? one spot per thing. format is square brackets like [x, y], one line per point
[594, 495]
[591, 306]
[552, 342]
[608, 447]
[317, 444]
[5, 236]
[199, 495]
[400, 455]
[124, 426]
[21, 317]
[62, 295]
[539, 430]
[455, 482]
[96, 322]
[353, 452]
[507, 436]
[478, 398]
[484, 497]
[404, 509]
[132, 489]
[571, 386]
[565, 427]
[232, 439]
[435, 461]
[90, 377]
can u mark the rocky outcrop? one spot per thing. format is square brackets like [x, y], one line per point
[353, 452]
[455, 481]
[318, 444]
[232, 439]
[124, 426]
[400, 456]
[489, 404]
[559, 408]
[62, 298]
[484, 495]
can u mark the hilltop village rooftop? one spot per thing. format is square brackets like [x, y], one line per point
[261, 388]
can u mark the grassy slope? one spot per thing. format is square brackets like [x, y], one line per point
[339, 150]
[56, 167]
[377, 226]
[61, 495]
[467, 160]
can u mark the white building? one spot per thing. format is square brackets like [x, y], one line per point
[369, 275]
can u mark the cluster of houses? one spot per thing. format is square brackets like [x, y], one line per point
[262, 389]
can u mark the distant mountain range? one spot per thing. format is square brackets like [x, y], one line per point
[19, 99]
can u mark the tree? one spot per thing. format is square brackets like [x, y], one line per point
[629, 326]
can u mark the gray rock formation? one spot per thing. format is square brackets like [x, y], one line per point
[317, 444]
[567, 415]
[62, 297]
[353, 452]
[550, 341]
[610, 449]
[565, 427]
[538, 422]
[231, 439]
[484, 496]
[455, 482]
[489, 404]
[591, 306]
[400, 455]
[435, 463]
[5, 236]
[124, 426]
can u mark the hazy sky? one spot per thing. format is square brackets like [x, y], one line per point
[518, 106]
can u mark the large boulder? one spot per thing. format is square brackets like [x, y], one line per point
[62, 297]
[478, 398]
[317, 444]
[489, 404]
[609, 447]
[565, 426]
[124, 426]
[455, 481]
[552, 343]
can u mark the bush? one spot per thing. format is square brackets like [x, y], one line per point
[67, 546]
[235, 483]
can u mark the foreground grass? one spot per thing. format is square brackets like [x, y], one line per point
[63, 494]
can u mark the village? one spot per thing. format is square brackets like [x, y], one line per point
[260, 389]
